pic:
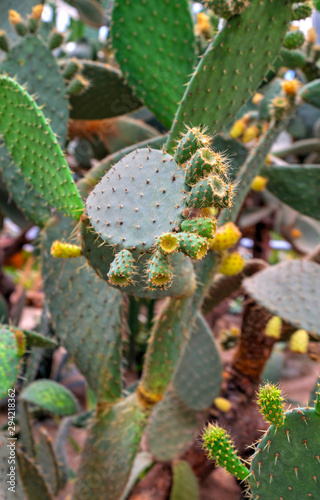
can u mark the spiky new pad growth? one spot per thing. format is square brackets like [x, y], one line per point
[168, 243]
[159, 271]
[202, 163]
[271, 404]
[138, 200]
[190, 142]
[121, 269]
[273, 327]
[62, 250]
[210, 192]
[35, 149]
[232, 264]
[294, 39]
[203, 227]
[220, 447]
[154, 44]
[12, 347]
[226, 237]
[299, 341]
[193, 245]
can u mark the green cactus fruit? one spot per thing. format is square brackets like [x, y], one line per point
[168, 243]
[17, 22]
[210, 192]
[121, 268]
[71, 68]
[301, 11]
[24, 9]
[12, 347]
[202, 227]
[190, 142]
[204, 162]
[294, 40]
[193, 245]
[220, 447]
[78, 85]
[35, 149]
[138, 200]
[4, 41]
[286, 461]
[291, 58]
[159, 271]
[271, 404]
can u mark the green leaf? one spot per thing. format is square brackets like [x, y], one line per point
[51, 397]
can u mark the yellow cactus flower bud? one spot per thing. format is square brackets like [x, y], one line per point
[232, 264]
[237, 129]
[291, 87]
[203, 26]
[223, 404]
[311, 35]
[37, 11]
[259, 183]
[273, 327]
[257, 98]
[299, 341]
[14, 17]
[62, 250]
[226, 237]
[296, 233]
[250, 133]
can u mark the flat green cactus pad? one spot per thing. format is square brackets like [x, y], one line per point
[31, 62]
[154, 41]
[286, 463]
[35, 149]
[86, 314]
[290, 290]
[233, 66]
[311, 92]
[48, 462]
[107, 95]
[50, 396]
[33, 482]
[109, 451]
[297, 186]
[185, 484]
[10, 360]
[6, 494]
[199, 374]
[138, 200]
[172, 427]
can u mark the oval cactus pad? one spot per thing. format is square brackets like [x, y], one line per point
[138, 200]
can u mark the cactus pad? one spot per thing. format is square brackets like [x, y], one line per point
[50, 396]
[10, 356]
[32, 481]
[185, 484]
[81, 303]
[311, 92]
[202, 163]
[35, 149]
[290, 290]
[48, 462]
[154, 41]
[106, 96]
[219, 86]
[210, 192]
[286, 462]
[138, 200]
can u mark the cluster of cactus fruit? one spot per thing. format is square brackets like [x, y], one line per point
[286, 460]
[158, 221]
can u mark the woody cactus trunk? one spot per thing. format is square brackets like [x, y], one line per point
[152, 221]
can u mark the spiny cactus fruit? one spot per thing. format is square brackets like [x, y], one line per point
[232, 264]
[301, 11]
[159, 271]
[219, 446]
[190, 142]
[193, 245]
[211, 192]
[299, 341]
[168, 243]
[121, 269]
[203, 227]
[226, 237]
[294, 39]
[202, 164]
